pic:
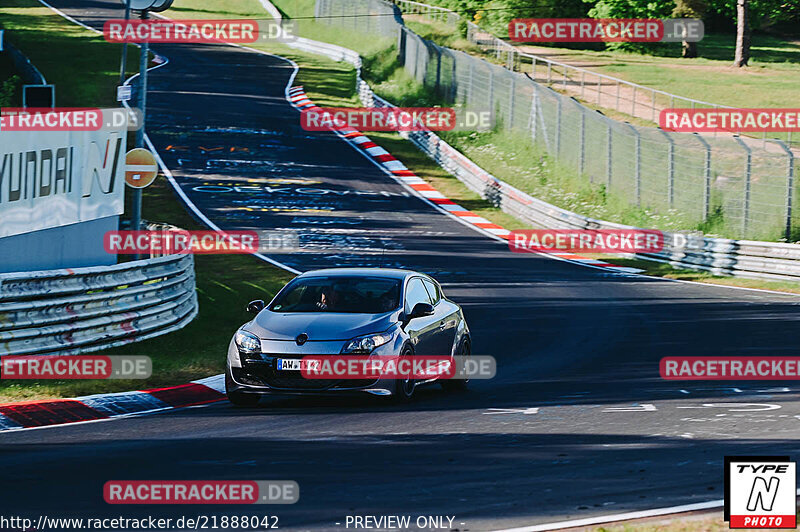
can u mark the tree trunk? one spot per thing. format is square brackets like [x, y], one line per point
[742, 33]
[689, 49]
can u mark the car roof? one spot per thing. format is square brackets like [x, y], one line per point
[390, 273]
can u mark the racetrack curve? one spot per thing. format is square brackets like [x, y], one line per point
[576, 424]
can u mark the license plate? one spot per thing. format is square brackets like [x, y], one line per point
[295, 364]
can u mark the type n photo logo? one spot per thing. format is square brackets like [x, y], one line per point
[760, 492]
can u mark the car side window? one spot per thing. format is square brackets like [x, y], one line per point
[416, 293]
[433, 291]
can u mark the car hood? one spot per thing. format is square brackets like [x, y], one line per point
[319, 326]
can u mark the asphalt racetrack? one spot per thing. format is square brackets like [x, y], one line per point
[576, 424]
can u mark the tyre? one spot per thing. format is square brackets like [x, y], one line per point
[458, 385]
[404, 388]
[238, 398]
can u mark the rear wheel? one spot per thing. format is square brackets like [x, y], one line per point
[458, 385]
[238, 398]
[404, 386]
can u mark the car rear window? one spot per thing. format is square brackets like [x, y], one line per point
[358, 295]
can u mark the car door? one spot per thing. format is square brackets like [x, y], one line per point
[422, 331]
[446, 319]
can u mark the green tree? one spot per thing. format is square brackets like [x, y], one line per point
[631, 9]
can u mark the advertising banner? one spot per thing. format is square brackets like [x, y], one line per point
[57, 178]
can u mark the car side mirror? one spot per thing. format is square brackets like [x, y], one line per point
[254, 307]
[421, 310]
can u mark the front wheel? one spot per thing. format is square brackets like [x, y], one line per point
[458, 385]
[404, 386]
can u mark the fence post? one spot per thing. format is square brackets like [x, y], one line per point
[653, 105]
[511, 101]
[492, 106]
[638, 164]
[565, 80]
[670, 169]
[706, 177]
[617, 106]
[471, 82]
[747, 176]
[549, 72]
[438, 68]
[533, 69]
[533, 116]
[609, 133]
[633, 102]
[599, 89]
[558, 125]
[582, 158]
[583, 81]
[789, 187]
[454, 79]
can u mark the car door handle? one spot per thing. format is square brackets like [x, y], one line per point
[443, 325]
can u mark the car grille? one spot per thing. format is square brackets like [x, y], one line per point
[263, 372]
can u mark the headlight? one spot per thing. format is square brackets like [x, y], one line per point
[364, 345]
[247, 343]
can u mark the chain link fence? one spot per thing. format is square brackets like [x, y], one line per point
[734, 186]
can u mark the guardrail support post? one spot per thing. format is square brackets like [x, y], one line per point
[789, 187]
[747, 176]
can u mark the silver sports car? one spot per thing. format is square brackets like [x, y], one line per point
[345, 311]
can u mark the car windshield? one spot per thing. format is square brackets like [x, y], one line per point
[361, 295]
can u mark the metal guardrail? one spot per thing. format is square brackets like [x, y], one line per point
[740, 258]
[72, 311]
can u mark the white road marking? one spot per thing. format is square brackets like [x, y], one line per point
[533, 410]
[761, 407]
[644, 407]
